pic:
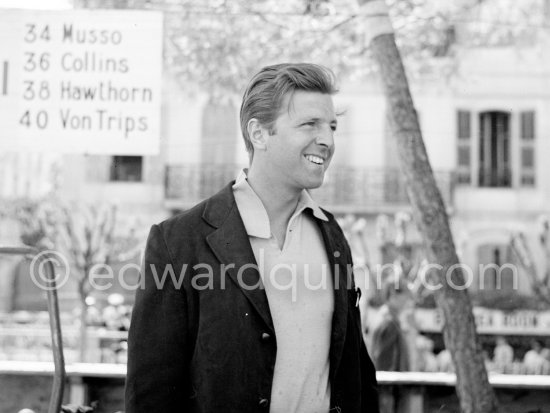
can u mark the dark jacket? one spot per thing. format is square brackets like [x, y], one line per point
[389, 347]
[208, 344]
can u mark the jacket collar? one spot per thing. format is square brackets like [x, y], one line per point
[230, 244]
[219, 206]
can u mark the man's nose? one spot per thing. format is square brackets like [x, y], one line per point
[325, 137]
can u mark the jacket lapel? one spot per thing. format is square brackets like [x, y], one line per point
[229, 242]
[231, 246]
[334, 244]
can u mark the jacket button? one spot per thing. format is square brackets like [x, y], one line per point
[265, 336]
[264, 403]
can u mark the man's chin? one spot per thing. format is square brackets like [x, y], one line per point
[316, 184]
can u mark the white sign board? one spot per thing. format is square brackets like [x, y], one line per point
[80, 81]
[488, 321]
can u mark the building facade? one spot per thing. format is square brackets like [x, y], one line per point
[485, 128]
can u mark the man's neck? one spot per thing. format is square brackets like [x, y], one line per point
[279, 202]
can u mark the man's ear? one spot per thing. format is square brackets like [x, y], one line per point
[258, 134]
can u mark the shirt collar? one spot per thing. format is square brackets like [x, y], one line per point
[253, 213]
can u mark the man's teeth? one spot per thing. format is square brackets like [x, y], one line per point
[315, 159]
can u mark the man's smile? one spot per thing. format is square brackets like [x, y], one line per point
[315, 159]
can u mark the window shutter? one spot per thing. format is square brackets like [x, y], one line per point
[464, 147]
[527, 148]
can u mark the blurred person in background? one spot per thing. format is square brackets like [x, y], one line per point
[503, 355]
[445, 361]
[534, 361]
[427, 359]
[545, 352]
[389, 349]
[230, 338]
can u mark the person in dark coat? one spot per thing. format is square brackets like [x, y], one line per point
[388, 343]
[247, 301]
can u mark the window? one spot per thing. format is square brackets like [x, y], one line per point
[126, 168]
[464, 138]
[527, 148]
[494, 149]
[485, 158]
[495, 270]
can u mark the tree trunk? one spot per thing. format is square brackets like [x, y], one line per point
[473, 388]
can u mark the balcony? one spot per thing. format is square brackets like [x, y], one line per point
[346, 189]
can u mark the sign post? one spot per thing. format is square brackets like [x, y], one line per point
[80, 81]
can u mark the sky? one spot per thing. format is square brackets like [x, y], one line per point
[36, 4]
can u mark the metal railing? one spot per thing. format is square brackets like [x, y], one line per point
[55, 323]
[346, 189]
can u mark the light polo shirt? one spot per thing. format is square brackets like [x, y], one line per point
[299, 288]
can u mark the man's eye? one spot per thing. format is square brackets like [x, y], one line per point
[333, 127]
[308, 124]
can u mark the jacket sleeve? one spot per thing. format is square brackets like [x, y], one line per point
[158, 367]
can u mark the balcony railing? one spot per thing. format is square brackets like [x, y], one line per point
[346, 189]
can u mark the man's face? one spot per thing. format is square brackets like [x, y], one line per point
[301, 147]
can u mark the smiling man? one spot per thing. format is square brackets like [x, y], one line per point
[260, 313]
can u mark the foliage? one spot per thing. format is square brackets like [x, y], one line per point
[215, 45]
[408, 259]
[506, 22]
[86, 235]
[540, 283]
[400, 257]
